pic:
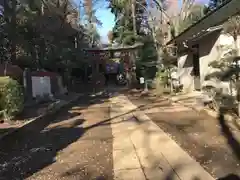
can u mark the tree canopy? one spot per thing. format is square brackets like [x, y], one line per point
[42, 34]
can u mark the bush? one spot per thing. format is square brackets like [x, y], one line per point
[161, 80]
[162, 76]
[11, 97]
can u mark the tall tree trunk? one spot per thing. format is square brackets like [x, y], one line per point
[10, 18]
[133, 54]
[133, 6]
[13, 31]
[42, 47]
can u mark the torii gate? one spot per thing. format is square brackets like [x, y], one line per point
[127, 55]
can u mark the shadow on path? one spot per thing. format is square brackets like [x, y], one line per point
[231, 140]
[36, 146]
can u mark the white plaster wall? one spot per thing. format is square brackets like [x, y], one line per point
[184, 72]
[208, 52]
[225, 40]
[41, 86]
[215, 47]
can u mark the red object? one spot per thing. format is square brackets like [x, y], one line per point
[44, 73]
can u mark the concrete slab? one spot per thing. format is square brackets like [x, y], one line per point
[151, 139]
[174, 154]
[124, 123]
[152, 159]
[125, 159]
[121, 132]
[152, 149]
[191, 171]
[170, 109]
[121, 143]
[129, 174]
[158, 174]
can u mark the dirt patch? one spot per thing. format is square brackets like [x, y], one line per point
[30, 113]
[69, 147]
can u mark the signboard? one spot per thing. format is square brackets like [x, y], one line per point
[112, 68]
[141, 80]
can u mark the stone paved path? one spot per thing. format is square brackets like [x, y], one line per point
[99, 138]
[141, 150]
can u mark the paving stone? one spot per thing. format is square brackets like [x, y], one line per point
[158, 154]
[125, 159]
[157, 173]
[129, 174]
[148, 158]
[122, 142]
[192, 171]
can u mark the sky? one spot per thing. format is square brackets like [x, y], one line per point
[107, 19]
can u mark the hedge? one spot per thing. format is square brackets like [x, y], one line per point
[11, 97]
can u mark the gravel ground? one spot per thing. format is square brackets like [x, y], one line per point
[205, 138]
[68, 145]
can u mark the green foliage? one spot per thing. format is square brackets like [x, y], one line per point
[11, 97]
[162, 76]
[124, 34]
[37, 44]
[123, 31]
[161, 81]
[147, 62]
[224, 70]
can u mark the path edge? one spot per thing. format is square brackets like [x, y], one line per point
[56, 107]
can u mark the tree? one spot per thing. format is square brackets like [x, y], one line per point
[232, 27]
[127, 29]
[92, 22]
[110, 37]
[38, 46]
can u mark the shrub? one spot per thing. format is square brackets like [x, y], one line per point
[162, 76]
[161, 81]
[11, 97]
